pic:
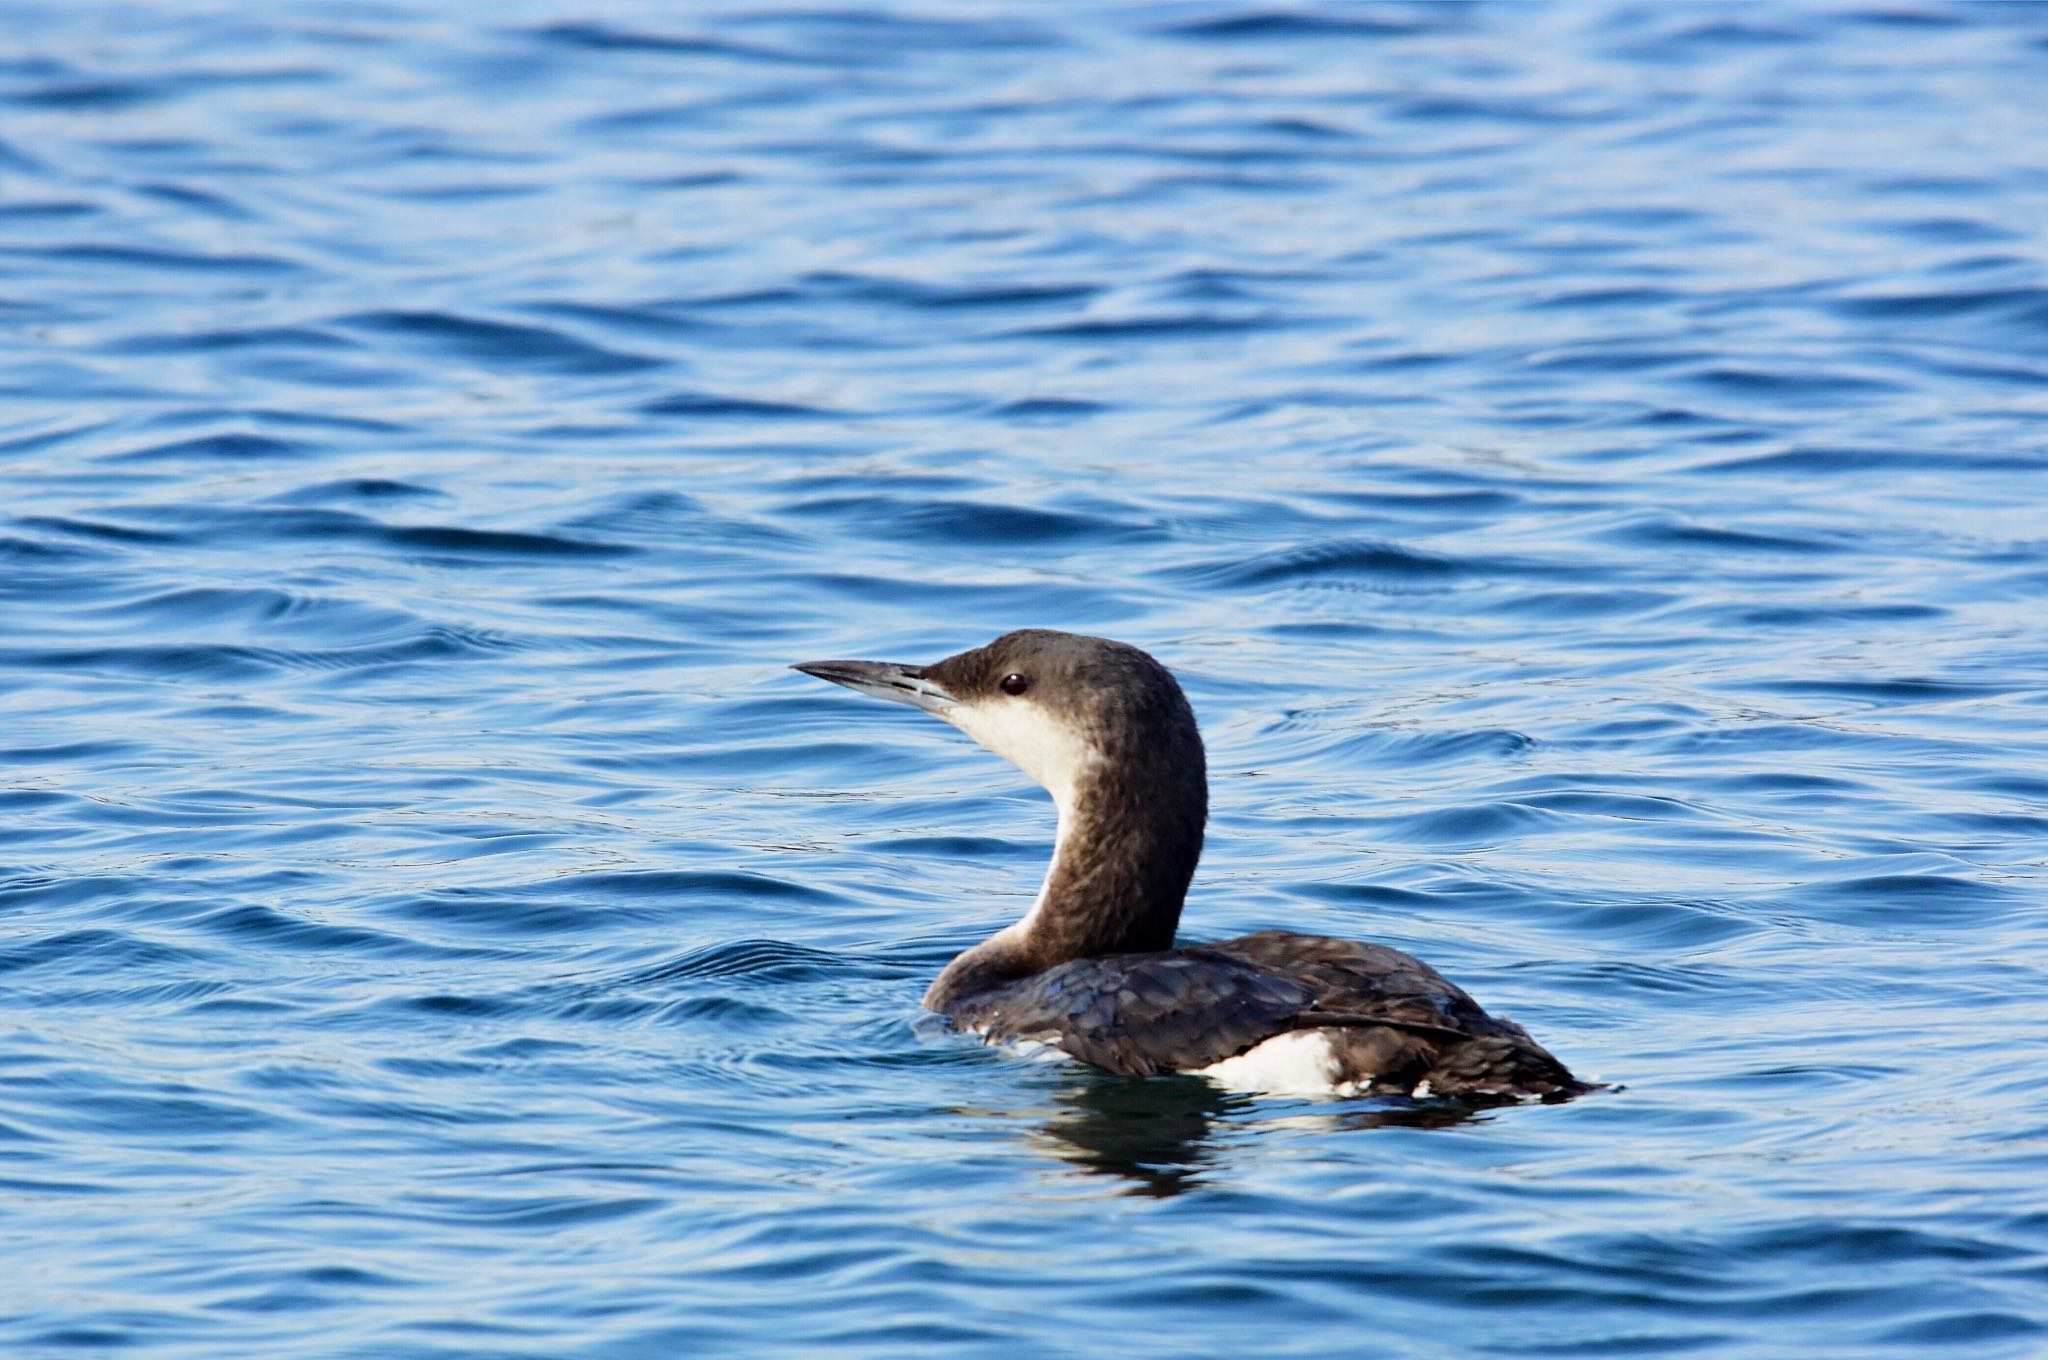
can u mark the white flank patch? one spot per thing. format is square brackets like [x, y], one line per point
[1300, 1063]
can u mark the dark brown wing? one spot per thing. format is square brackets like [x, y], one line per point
[1141, 1014]
[1397, 1016]
[1366, 982]
[1391, 1016]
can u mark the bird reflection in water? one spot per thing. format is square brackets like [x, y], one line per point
[1160, 1133]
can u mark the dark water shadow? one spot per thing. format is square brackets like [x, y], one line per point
[1164, 1135]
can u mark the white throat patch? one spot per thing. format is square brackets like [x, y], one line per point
[1052, 752]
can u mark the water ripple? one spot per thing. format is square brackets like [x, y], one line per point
[1584, 463]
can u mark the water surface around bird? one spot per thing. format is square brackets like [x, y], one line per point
[1585, 462]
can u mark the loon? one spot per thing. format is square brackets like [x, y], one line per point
[1092, 969]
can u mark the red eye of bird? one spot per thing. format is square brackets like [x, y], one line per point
[1015, 684]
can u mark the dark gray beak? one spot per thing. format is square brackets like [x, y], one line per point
[884, 680]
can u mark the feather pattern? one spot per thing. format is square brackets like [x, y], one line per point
[1092, 970]
[1394, 1023]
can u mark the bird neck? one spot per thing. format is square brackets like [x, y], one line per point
[1129, 836]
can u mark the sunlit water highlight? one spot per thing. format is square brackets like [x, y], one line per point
[1586, 462]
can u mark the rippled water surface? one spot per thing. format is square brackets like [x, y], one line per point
[1589, 464]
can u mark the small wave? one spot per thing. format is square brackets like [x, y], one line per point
[1968, 1327]
[498, 543]
[232, 445]
[1402, 749]
[453, 1004]
[500, 343]
[160, 661]
[1470, 824]
[1790, 384]
[1813, 616]
[767, 960]
[1867, 461]
[91, 952]
[690, 886]
[21, 551]
[1957, 900]
[239, 661]
[108, 256]
[1268, 25]
[61, 754]
[1626, 807]
[496, 915]
[177, 1116]
[874, 34]
[647, 319]
[209, 607]
[288, 523]
[373, 489]
[97, 529]
[596, 36]
[228, 340]
[1585, 604]
[661, 516]
[1363, 560]
[1594, 299]
[966, 522]
[2027, 306]
[711, 406]
[1185, 326]
[1047, 410]
[1634, 357]
[923, 296]
[1901, 689]
[1669, 531]
[107, 95]
[266, 927]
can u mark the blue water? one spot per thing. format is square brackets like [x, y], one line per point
[1588, 463]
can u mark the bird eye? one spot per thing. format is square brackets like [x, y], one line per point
[1015, 684]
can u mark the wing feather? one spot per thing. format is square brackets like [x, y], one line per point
[1142, 1014]
[1181, 1010]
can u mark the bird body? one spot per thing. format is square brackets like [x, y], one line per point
[1092, 969]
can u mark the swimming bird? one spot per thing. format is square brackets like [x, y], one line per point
[1092, 969]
